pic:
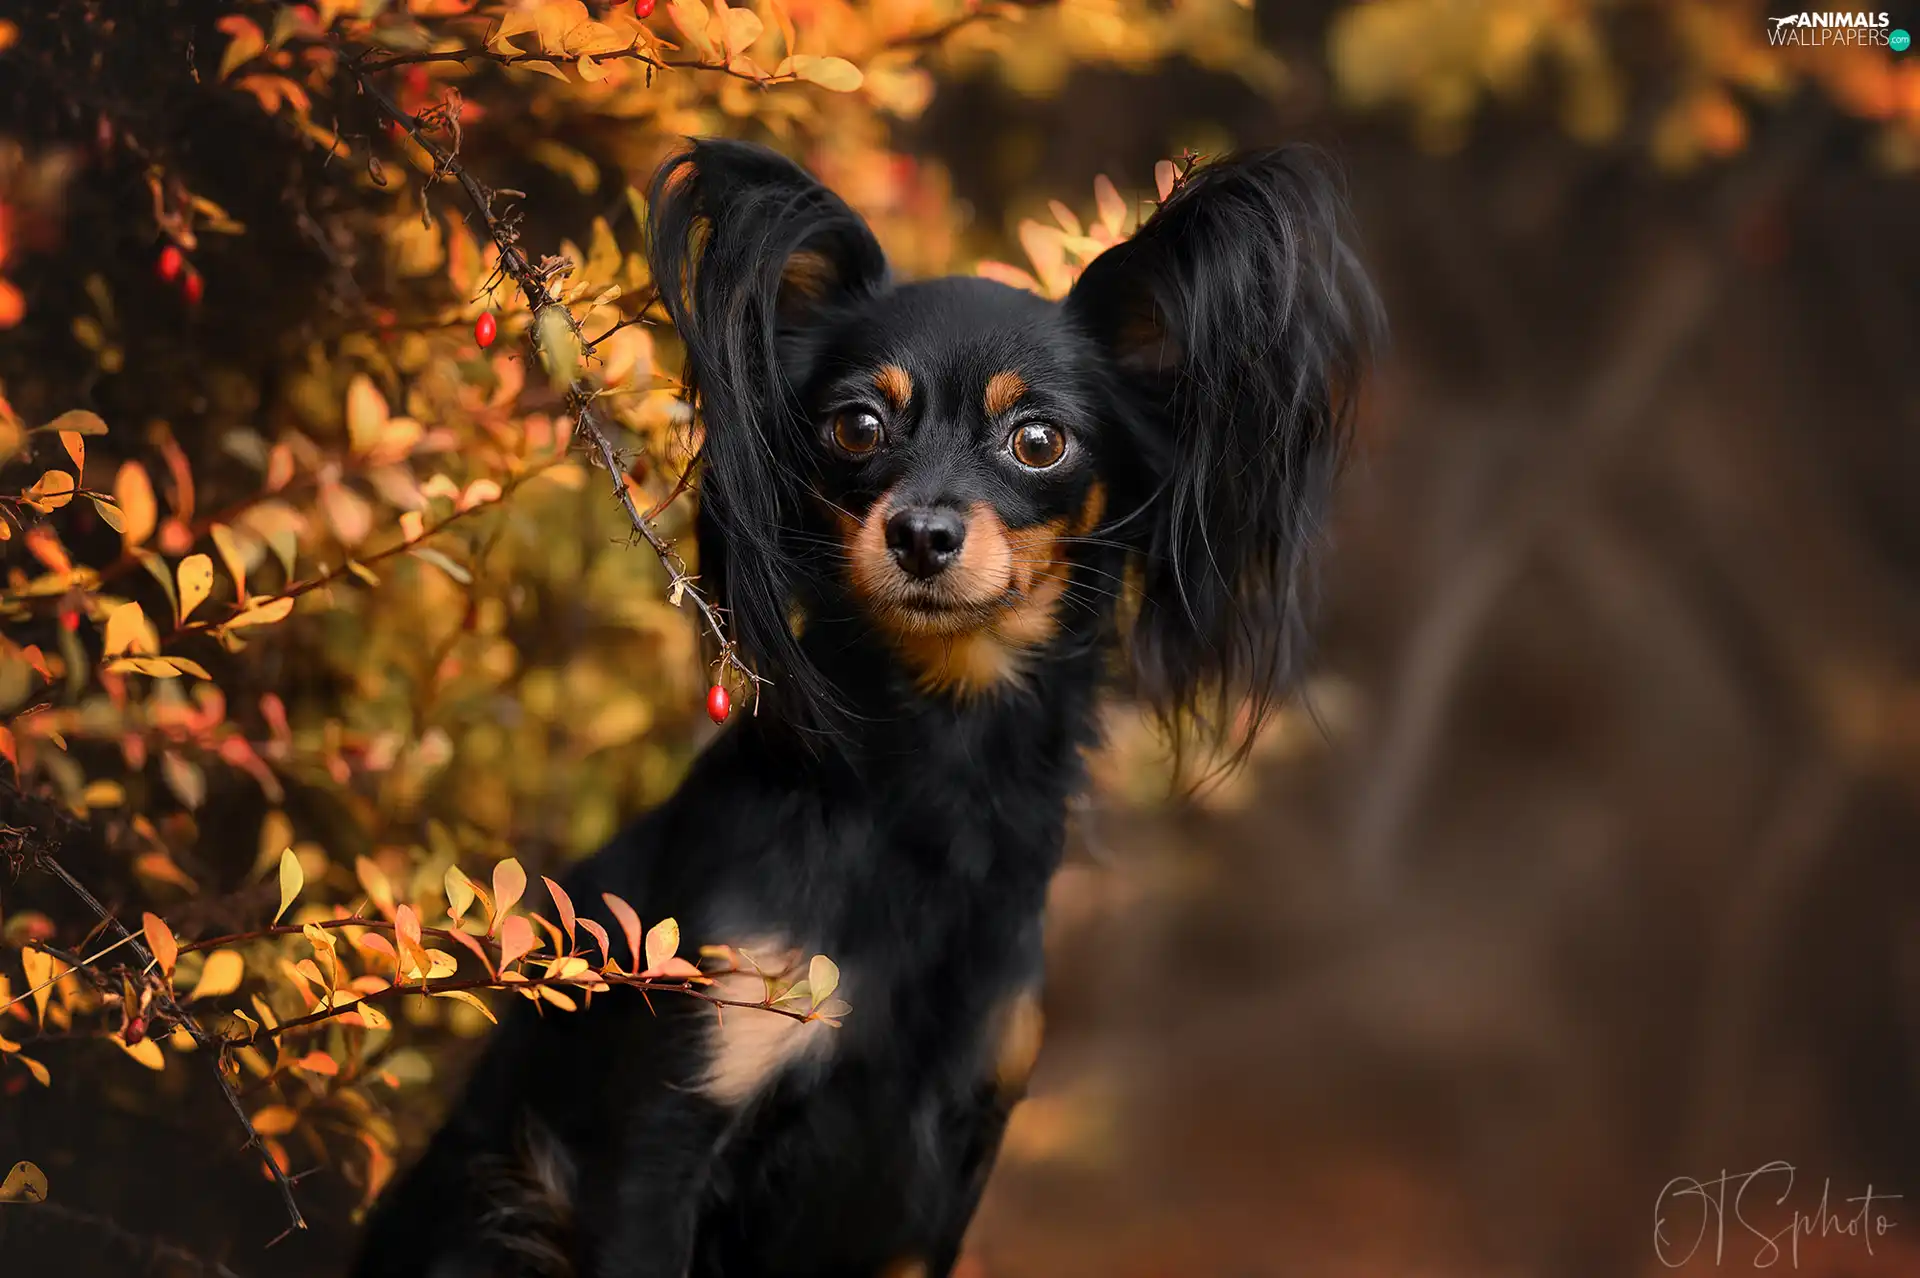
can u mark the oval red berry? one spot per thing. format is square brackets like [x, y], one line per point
[171, 260]
[643, 8]
[194, 286]
[718, 706]
[485, 329]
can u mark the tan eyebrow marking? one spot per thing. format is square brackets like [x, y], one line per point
[895, 383]
[1004, 391]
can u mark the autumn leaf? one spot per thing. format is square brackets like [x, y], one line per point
[228, 545]
[459, 893]
[37, 965]
[663, 942]
[275, 1120]
[160, 940]
[292, 879]
[562, 903]
[516, 941]
[24, 1184]
[221, 974]
[133, 493]
[509, 885]
[630, 924]
[836, 74]
[195, 576]
[50, 492]
[823, 977]
[126, 631]
[263, 613]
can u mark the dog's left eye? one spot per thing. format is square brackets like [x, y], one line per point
[1036, 445]
[856, 432]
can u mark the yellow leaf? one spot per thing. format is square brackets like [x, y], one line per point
[366, 413]
[109, 514]
[222, 974]
[228, 545]
[261, 614]
[691, 18]
[593, 38]
[275, 1120]
[462, 996]
[823, 978]
[127, 631]
[196, 583]
[509, 885]
[133, 491]
[146, 1051]
[374, 880]
[36, 1069]
[459, 893]
[50, 492]
[743, 27]
[166, 950]
[76, 447]
[663, 942]
[77, 422]
[38, 967]
[25, 1183]
[837, 74]
[292, 879]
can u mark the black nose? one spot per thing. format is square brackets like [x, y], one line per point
[925, 541]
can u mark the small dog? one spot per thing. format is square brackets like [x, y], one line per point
[941, 518]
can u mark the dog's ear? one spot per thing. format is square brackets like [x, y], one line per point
[749, 251]
[1236, 319]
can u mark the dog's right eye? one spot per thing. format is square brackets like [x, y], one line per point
[856, 432]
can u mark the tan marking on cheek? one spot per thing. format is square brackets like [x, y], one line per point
[747, 1047]
[1092, 510]
[1004, 391]
[986, 557]
[866, 543]
[896, 384]
[1022, 1026]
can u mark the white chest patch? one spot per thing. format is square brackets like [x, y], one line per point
[747, 1047]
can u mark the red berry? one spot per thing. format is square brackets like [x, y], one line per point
[485, 329]
[643, 8]
[194, 286]
[171, 260]
[718, 706]
[71, 620]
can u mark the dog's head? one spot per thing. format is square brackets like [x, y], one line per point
[974, 472]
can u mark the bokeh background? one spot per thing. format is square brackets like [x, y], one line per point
[1585, 862]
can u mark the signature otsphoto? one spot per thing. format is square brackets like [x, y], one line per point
[1746, 1220]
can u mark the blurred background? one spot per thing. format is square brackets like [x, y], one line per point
[1584, 864]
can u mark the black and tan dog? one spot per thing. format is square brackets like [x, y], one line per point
[922, 506]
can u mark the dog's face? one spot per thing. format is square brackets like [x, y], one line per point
[971, 471]
[957, 458]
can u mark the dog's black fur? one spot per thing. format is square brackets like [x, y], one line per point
[938, 612]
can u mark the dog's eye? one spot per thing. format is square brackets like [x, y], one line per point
[1037, 445]
[856, 432]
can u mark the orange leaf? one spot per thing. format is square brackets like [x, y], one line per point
[562, 903]
[516, 940]
[133, 492]
[318, 1063]
[599, 934]
[630, 924]
[275, 1120]
[161, 941]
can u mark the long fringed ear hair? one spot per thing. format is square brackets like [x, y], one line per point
[1236, 319]
[749, 252]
